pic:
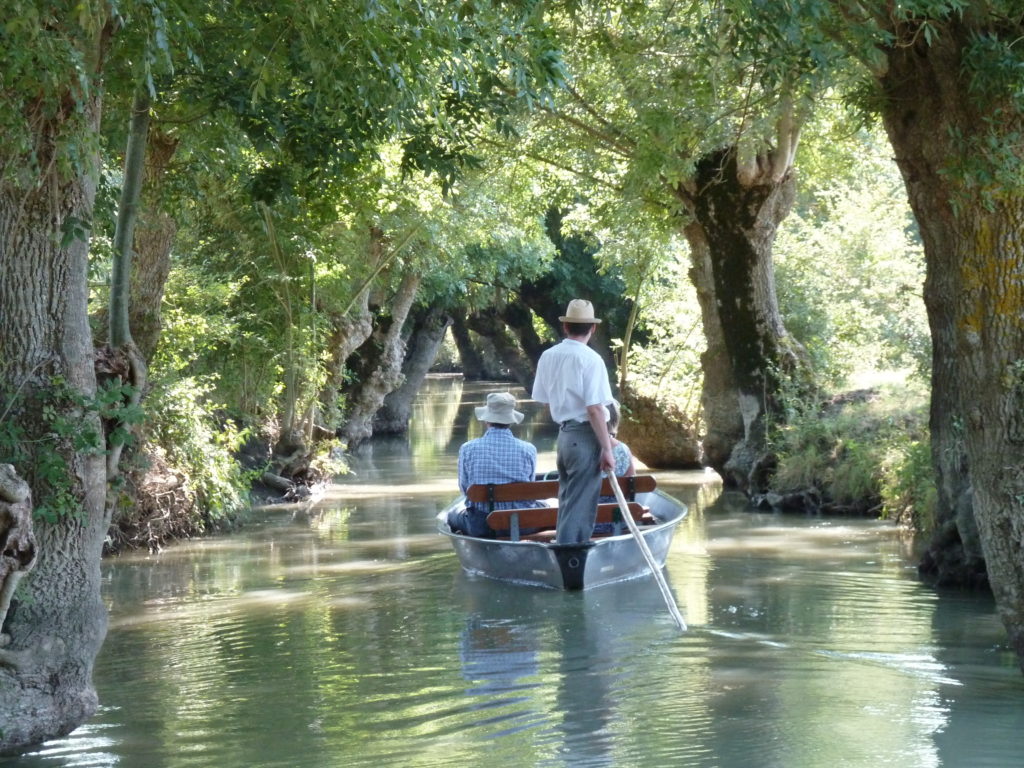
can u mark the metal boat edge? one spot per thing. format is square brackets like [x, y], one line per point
[605, 560]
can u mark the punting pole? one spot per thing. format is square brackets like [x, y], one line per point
[658, 575]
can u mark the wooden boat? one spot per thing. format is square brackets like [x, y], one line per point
[535, 559]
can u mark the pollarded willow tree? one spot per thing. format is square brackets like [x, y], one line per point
[667, 109]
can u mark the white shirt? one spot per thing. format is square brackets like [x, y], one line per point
[571, 376]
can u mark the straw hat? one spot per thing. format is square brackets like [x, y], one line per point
[579, 311]
[500, 409]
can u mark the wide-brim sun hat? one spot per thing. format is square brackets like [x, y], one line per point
[579, 311]
[500, 409]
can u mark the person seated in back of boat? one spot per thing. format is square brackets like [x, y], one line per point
[496, 457]
[624, 464]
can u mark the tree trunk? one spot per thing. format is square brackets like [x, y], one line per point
[427, 334]
[129, 363]
[154, 236]
[473, 367]
[975, 292]
[490, 324]
[127, 214]
[953, 556]
[46, 347]
[349, 332]
[723, 422]
[519, 319]
[736, 214]
[386, 375]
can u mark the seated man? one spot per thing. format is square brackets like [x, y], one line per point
[497, 457]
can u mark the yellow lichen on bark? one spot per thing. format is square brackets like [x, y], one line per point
[992, 275]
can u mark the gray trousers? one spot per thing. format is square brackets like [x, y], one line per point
[579, 482]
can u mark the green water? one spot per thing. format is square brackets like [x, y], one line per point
[343, 634]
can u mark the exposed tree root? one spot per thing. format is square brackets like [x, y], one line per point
[163, 509]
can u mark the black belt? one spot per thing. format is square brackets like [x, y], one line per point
[572, 423]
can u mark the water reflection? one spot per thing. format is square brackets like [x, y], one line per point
[496, 653]
[520, 647]
[499, 656]
[343, 634]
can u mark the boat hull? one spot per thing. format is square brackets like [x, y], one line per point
[569, 566]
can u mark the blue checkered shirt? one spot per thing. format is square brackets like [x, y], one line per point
[497, 457]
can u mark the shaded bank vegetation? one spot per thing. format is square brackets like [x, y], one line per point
[256, 236]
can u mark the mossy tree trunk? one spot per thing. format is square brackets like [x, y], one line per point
[974, 291]
[954, 555]
[736, 211]
[723, 422]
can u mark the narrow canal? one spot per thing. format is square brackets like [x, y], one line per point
[344, 634]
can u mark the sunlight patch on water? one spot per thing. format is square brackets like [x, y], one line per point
[829, 542]
[86, 748]
[183, 550]
[440, 486]
[917, 665]
[922, 666]
[215, 606]
[350, 566]
[689, 477]
[351, 601]
[420, 541]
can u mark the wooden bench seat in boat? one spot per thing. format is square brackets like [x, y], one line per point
[511, 521]
[546, 489]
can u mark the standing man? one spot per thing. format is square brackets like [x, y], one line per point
[572, 380]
